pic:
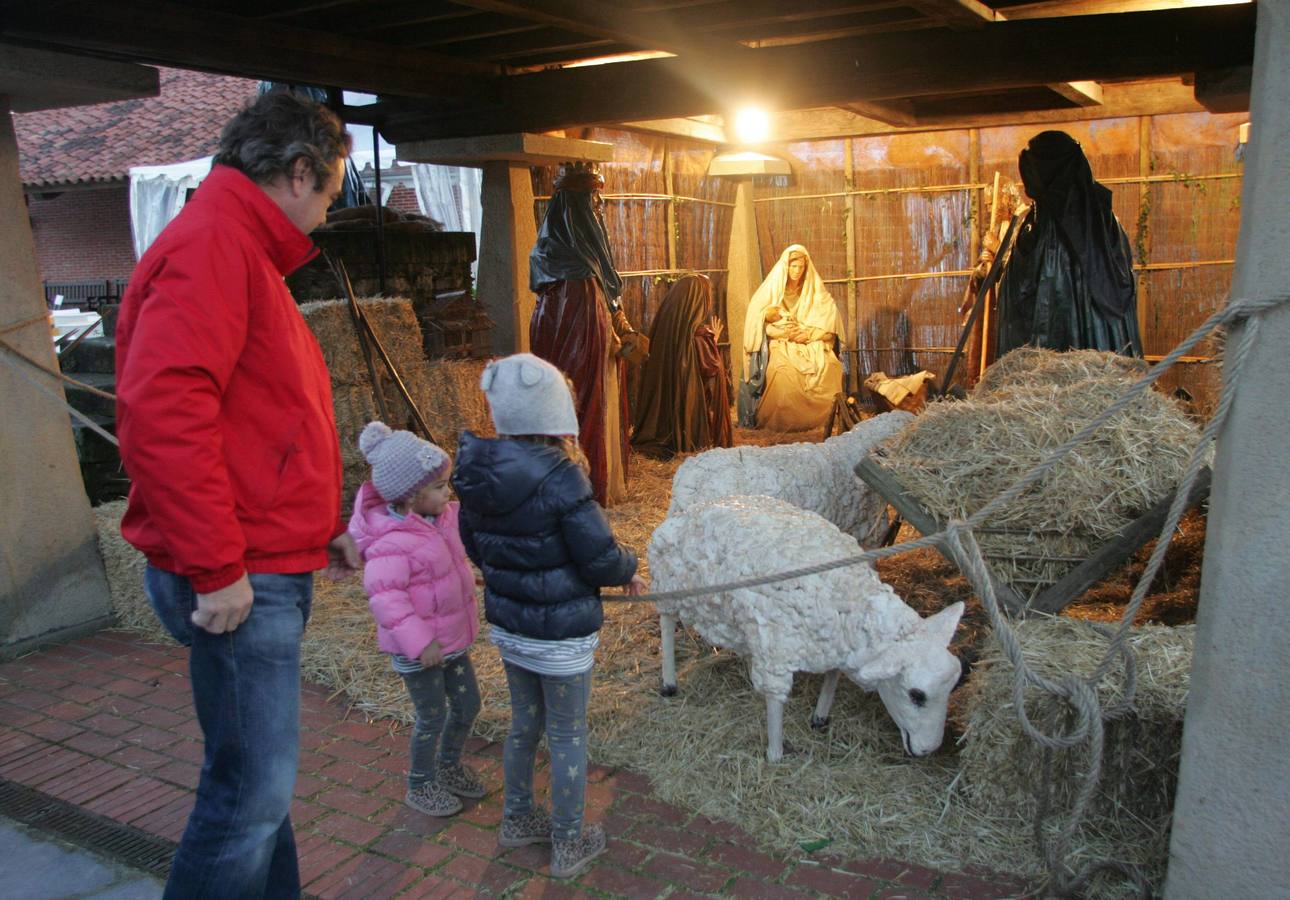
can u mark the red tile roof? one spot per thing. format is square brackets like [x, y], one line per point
[100, 143]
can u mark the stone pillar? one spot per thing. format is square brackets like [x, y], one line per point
[507, 235]
[1231, 823]
[52, 584]
[745, 273]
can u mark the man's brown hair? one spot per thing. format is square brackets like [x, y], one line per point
[264, 140]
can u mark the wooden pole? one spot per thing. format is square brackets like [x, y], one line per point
[853, 295]
[991, 294]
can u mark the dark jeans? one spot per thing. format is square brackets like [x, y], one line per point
[558, 703]
[446, 698]
[246, 690]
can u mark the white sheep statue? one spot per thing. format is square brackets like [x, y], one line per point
[843, 620]
[816, 476]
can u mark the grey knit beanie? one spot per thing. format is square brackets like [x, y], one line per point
[528, 395]
[402, 463]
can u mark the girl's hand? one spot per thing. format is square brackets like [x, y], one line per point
[636, 586]
[431, 656]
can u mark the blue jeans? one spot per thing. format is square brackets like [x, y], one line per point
[446, 698]
[557, 703]
[246, 690]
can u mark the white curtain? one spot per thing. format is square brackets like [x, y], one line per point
[157, 194]
[435, 194]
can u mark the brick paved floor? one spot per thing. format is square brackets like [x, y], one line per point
[106, 723]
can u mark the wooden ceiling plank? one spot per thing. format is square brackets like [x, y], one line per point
[1081, 93]
[904, 65]
[591, 17]
[955, 13]
[893, 112]
[190, 37]
[832, 34]
[693, 129]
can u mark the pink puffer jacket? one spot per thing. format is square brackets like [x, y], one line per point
[420, 587]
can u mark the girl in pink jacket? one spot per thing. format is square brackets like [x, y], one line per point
[422, 593]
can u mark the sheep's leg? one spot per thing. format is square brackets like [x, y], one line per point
[820, 720]
[774, 729]
[667, 626]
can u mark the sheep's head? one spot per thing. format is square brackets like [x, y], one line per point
[914, 677]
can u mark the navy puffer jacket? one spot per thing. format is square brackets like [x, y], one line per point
[529, 521]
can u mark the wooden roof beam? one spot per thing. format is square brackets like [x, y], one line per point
[1145, 98]
[1050, 9]
[1000, 56]
[190, 37]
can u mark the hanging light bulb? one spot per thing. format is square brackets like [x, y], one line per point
[752, 125]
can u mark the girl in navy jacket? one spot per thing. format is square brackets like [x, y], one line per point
[530, 523]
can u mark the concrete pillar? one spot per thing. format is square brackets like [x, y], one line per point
[1231, 824]
[507, 235]
[745, 273]
[52, 584]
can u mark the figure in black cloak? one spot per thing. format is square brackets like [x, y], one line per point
[579, 325]
[1069, 284]
[684, 398]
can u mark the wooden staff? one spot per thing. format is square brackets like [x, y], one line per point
[367, 333]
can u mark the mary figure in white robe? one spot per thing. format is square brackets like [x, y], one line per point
[790, 334]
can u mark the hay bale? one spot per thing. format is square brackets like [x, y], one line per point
[1001, 767]
[354, 402]
[125, 566]
[957, 456]
[1027, 367]
[452, 401]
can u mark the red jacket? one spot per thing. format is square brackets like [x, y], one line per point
[224, 407]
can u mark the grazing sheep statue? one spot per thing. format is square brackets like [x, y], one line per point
[819, 477]
[843, 620]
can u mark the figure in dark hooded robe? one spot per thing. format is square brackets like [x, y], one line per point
[579, 325]
[684, 399]
[1069, 284]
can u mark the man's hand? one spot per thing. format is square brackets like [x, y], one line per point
[343, 558]
[432, 655]
[224, 609]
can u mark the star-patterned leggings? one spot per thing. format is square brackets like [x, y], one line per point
[557, 703]
[446, 699]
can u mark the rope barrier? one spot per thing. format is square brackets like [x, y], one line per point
[84, 419]
[23, 323]
[89, 388]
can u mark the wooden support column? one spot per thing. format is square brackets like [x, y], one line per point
[509, 228]
[975, 195]
[52, 582]
[745, 273]
[1230, 822]
[670, 190]
[506, 237]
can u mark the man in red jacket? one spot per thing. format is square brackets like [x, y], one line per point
[227, 432]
